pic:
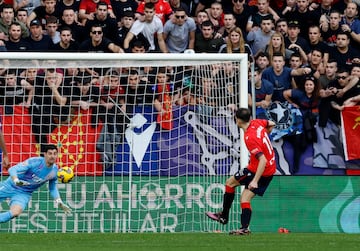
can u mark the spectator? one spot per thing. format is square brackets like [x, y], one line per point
[179, 32]
[127, 21]
[329, 31]
[48, 104]
[236, 43]
[264, 11]
[41, 12]
[330, 75]
[295, 42]
[281, 26]
[87, 9]
[139, 44]
[68, 4]
[51, 29]
[350, 23]
[163, 100]
[306, 99]
[162, 9]
[295, 62]
[280, 76]
[21, 15]
[262, 60]
[242, 12]
[263, 91]
[15, 91]
[199, 19]
[317, 43]
[277, 44]
[38, 41]
[175, 4]
[259, 38]
[121, 7]
[149, 27]
[229, 24]
[7, 18]
[27, 5]
[303, 16]
[69, 19]
[290, 7]
[344, 54]
[15, 41]
[216, 15]
[316, 63]
[206, 41]
[66, 43]
[97, 43]
[103, 19]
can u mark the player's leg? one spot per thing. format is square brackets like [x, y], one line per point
[229, 195]
[18, 203]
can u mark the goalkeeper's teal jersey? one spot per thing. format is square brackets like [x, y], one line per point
[34, 171]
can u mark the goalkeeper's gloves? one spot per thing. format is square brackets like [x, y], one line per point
[64, 207]
[21, 183]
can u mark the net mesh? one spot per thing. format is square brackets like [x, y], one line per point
[151, 142]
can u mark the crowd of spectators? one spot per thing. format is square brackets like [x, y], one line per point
[305, 52]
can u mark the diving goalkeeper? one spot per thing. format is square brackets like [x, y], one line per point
[25, 178]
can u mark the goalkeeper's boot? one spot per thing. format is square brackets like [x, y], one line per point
[241, 231]
[217, 217]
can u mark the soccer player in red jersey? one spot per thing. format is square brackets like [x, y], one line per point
[256, 176]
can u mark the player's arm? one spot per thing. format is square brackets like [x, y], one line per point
[54, 193]
[17, 170]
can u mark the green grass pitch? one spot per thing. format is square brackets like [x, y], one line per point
[179, 241]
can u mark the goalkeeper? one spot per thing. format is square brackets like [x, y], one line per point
[25, 178]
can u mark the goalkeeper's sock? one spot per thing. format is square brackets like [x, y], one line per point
[5, 217]
[245, 214]
[228, 200]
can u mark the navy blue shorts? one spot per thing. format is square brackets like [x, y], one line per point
[244, 177]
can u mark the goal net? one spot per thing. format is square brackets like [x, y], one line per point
[151, 137]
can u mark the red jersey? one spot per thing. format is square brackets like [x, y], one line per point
[90, 6]
[162, 9]
[257, 142]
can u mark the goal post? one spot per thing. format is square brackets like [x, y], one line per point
[149, 159]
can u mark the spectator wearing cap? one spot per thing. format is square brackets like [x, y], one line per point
[7, 18]
[102, 18]
[120, 7]
[127, 21]
[295, 42]
[179, 32]
[41, 12]
[37, 40]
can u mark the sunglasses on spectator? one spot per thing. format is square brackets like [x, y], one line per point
[238, 1]
[178, 17]
[96, 32]
[341, 77]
